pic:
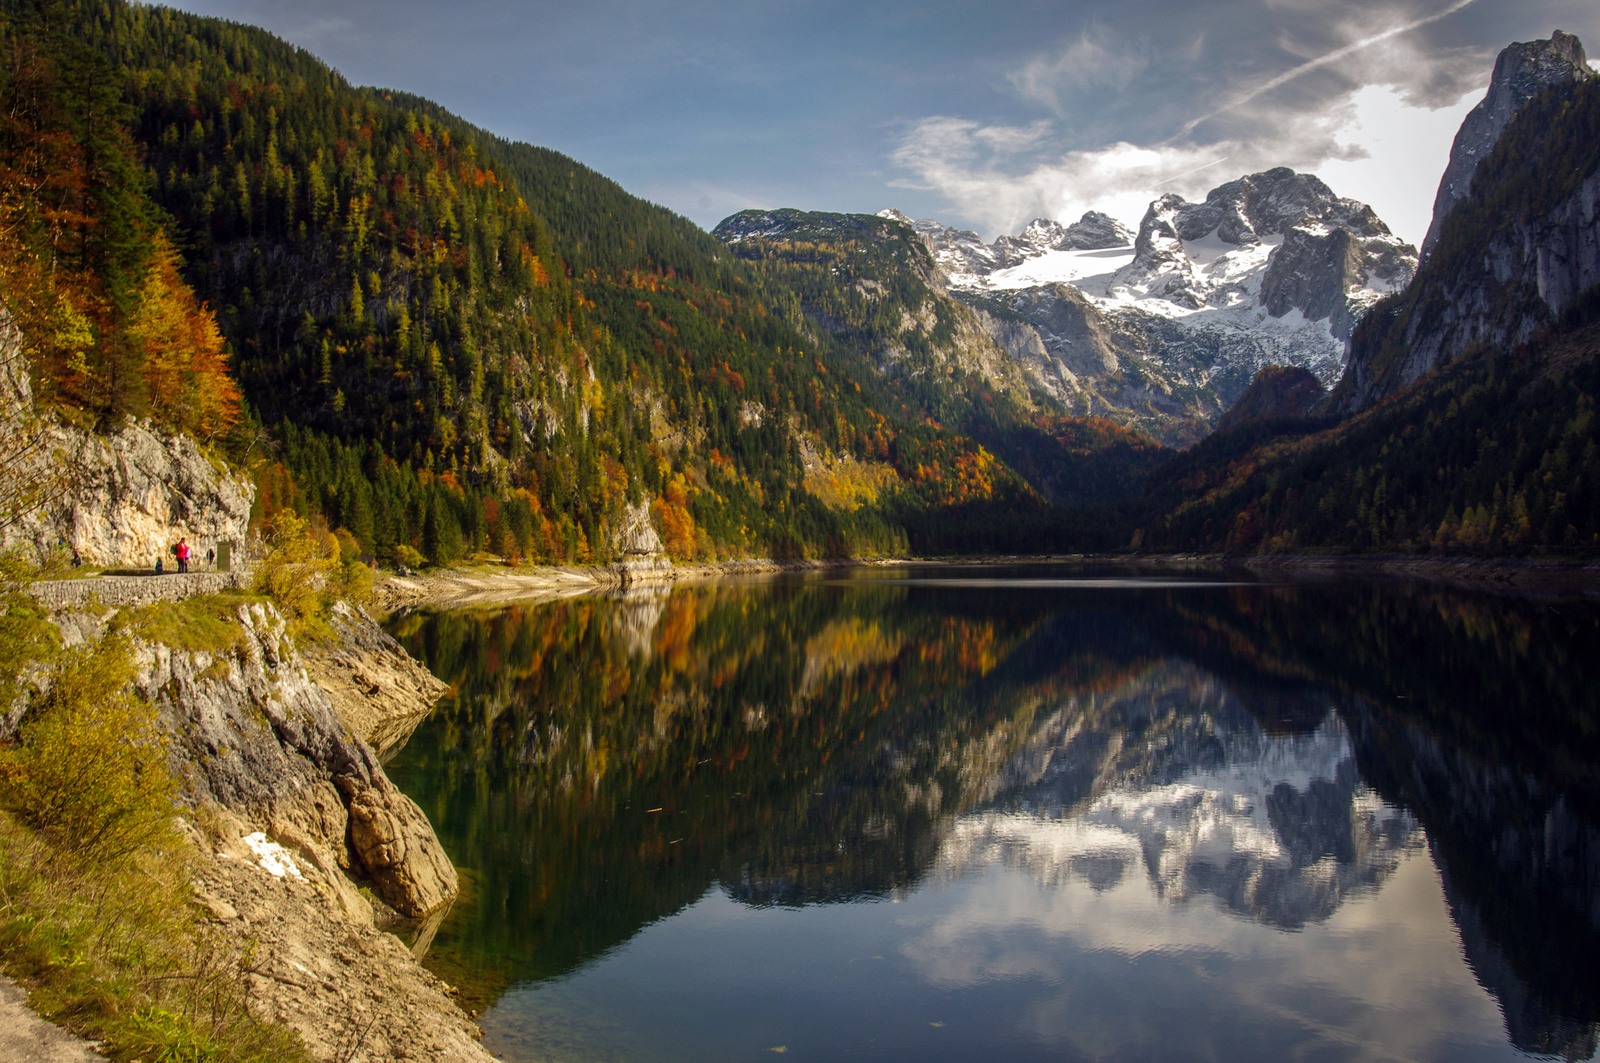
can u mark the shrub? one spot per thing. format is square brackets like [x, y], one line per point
[90, 773]
[296, 571]
[406, 555]
[26, 637]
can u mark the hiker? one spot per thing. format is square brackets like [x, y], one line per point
[182, 550]
[211, 557]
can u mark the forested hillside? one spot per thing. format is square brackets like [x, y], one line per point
[90, 277]
[459, 344]
[867, 287]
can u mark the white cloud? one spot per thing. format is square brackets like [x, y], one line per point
[948, 156]
[1407, 148]
[999, 193]
[1094, 59]
[1373, 117]
[1325, 59]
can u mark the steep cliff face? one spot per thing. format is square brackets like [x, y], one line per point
[1521, 72]
[1510, 258]
[120, 499]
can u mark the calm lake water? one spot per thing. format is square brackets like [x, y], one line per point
[962, 814]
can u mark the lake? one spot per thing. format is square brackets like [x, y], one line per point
[943, 813]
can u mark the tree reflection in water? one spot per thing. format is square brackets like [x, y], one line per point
[603, 762]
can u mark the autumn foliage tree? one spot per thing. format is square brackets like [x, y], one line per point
[86, 271]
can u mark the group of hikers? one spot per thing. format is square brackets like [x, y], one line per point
[182, 551]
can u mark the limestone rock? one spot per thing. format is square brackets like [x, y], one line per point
[377, 689]
[120, 499]
[1073, 331]
[1094, 231]
[350, 990]
[396, 845]
[635, 536]
[251, 733]
[1497, 277]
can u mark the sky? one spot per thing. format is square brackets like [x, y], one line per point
[982, 114]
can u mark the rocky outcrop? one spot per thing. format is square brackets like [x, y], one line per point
[352, 991]
[961, 251]
[636, 540]
[1521, 72]
[957, 252]
[253, 734]
[1071, 331]
[120, 499]
[1333, 275]
[379, 691]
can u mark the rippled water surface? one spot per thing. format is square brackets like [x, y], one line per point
[936, 814]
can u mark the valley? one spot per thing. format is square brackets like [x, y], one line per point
[637, 553]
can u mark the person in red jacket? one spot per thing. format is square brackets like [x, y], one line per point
[182, 550]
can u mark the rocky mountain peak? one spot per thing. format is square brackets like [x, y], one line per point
[1245, 211]
[961, 252]
[1094, 231]
[1521, 72]
[955, 251]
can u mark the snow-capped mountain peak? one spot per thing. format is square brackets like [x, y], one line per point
[1272, 267]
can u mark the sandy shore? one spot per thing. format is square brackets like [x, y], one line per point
[490, 585]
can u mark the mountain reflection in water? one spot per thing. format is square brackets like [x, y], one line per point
[1267, 752]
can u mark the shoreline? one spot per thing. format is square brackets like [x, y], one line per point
[456, 587]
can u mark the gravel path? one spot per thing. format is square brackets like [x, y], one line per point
[26, 1038]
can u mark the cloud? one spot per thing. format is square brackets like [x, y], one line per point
[1182, 110]
[951, 157]
[1322, 60]
[1095, 59]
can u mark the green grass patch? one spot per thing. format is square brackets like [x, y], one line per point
[207, 623]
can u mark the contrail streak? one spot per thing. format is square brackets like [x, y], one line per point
[1186, 173]
[1322, 60]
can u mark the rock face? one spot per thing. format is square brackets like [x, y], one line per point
[378, 690]
[636, 538]
[1093, 232]
[1075, 337]
[1510, 259]
[1330, 248]
[1521, 72]
[961, 252]
[253, 734]
[121, 499]
[350, 990]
